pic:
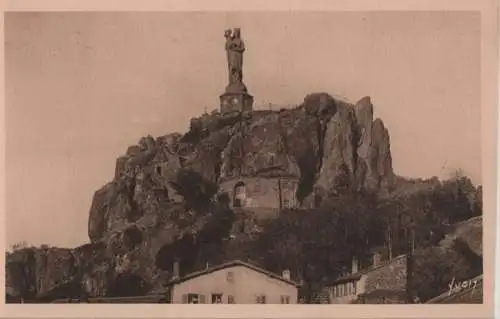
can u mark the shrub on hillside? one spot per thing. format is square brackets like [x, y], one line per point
[435, 268]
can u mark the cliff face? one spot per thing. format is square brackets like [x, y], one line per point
[327, 143]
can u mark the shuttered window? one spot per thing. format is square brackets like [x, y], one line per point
[194, 298]
[261, 299]
[285, 299]
[216, 298]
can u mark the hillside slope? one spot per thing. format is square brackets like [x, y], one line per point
[457, 258]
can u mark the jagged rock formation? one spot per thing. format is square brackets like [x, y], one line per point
[326, 143]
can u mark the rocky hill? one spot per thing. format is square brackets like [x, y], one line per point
[154, 206]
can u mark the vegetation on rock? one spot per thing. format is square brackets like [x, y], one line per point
[164, 205]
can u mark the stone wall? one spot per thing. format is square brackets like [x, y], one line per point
[260, 192]
[391, 275]
[383, 297]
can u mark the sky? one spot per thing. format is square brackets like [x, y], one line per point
[82, 87]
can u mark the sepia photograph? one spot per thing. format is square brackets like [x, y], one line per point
[246, 157]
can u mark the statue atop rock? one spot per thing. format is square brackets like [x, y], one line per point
[235, 48]
[235, 97]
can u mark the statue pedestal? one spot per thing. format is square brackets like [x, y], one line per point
[236, 101]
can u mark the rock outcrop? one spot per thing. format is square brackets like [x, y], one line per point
[339, 151]
[138, 219]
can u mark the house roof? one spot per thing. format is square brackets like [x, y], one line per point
[233, 263]
[469, 295]
[154, 298]
[357, 276]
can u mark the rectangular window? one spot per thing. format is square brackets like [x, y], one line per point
[216, 298]
[261, 299]
[286, 203]
[285, 299]
[231, 299]
[230, 276]
[354, 287]
[193, 298]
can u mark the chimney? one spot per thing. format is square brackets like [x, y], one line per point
[286, 274]
[176, 270]
[376, 258]
[355, 265]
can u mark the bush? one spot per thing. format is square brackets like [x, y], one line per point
[434, 268]
[196, 190]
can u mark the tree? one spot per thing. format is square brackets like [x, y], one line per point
[478, 201]
[127, 285]
[453, 199]
[18, 246]
[318, 244]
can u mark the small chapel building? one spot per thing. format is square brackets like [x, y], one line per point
[265, 195]
[266, 191]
